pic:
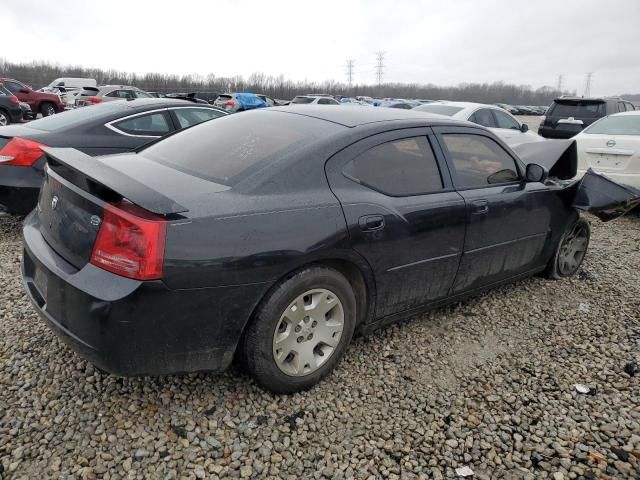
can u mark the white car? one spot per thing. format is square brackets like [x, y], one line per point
[612, 146]
[314, 100]
[500, 122]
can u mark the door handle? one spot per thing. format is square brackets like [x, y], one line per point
[480, 207]
[371, 223]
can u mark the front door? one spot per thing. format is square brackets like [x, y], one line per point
[508, 219]
[403, 215]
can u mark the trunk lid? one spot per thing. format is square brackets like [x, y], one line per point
[77, 188]
[610, 153]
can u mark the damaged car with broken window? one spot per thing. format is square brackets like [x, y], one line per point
[274, 236]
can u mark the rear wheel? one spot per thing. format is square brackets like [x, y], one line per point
[47, 109]
[300, 331]
[5, 119]
[570, 251]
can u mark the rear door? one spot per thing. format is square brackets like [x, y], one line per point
[508, 220]
[403, 215]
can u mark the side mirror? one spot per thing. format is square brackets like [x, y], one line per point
[536, 173]
[524, 128]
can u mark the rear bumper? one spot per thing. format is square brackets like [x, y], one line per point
[127, 327]
[548, 132]
[632, 179]
[19, 188]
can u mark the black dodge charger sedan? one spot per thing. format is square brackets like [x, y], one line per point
[275, 235]
[106, 128]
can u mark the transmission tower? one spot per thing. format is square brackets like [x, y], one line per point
[560, 80]
[379, 66]
[587, 86]
[350, 65]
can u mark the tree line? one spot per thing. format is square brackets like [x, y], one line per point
[39, 74]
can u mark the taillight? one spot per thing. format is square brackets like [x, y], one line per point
[229, 103]
[93, 99]
[21, 152]
[130, 242]
[14, 100]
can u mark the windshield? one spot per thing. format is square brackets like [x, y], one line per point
[577, 109]
[440, 109]
[616, 125]
[73, 118]
[237, 145]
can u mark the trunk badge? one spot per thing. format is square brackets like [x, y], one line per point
[95, 220]
[54, 202]
[611, 143]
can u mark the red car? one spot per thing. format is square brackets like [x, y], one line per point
[44, 103]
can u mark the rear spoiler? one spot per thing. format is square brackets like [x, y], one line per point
[560, 157]
[91, 172]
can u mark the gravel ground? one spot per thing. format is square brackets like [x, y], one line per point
[488, 383]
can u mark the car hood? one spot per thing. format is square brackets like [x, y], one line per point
[560, 157]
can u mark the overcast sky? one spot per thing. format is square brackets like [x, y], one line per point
[430, 41]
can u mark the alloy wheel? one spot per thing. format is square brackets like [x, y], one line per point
[3, 120]
[573, 249]
[308, 332]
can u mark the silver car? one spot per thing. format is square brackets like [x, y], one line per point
[107, 93]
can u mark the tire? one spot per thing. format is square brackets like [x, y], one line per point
[276, 330]
[5, 119]
[570, 251]
[47, 109]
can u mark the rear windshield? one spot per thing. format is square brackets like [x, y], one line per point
[447, 110]
[235, 146]
[74, 118]
[303, 100]
[616, 125]
[577, 109]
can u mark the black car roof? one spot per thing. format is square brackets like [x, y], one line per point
[352, 116]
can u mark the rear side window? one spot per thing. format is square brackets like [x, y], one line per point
[235, 146]
[120, 94]
[302, 100]
[328, 101]
[399, 168]
[188, 117]
[578, 109]
[483, 117]
[479, 161]
[154, 125]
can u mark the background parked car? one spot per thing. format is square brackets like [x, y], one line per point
[107, 128]
[496, 119]
[69, 84]
[567, 116]
[44, 103]
[612, 146]
[238, 102]
[314, 100]
[109, 93]
[10, 110]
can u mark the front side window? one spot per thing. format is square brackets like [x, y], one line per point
[505, 121]
[479, 161]
[188, 117]
[399, 168]
[483, 117]
[141, 94]
[13, 86]
[153, 125]
[302, 100]
[327, 101]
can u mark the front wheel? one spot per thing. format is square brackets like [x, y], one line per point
[570, 251]
[47, 109]
[5, 119]
[300, 331]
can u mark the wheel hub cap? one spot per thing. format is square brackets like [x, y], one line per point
[573, 250]
[308, 332]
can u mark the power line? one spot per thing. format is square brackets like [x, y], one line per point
[380, 66]
[350, 65]
[587, 86]
[560, 80]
